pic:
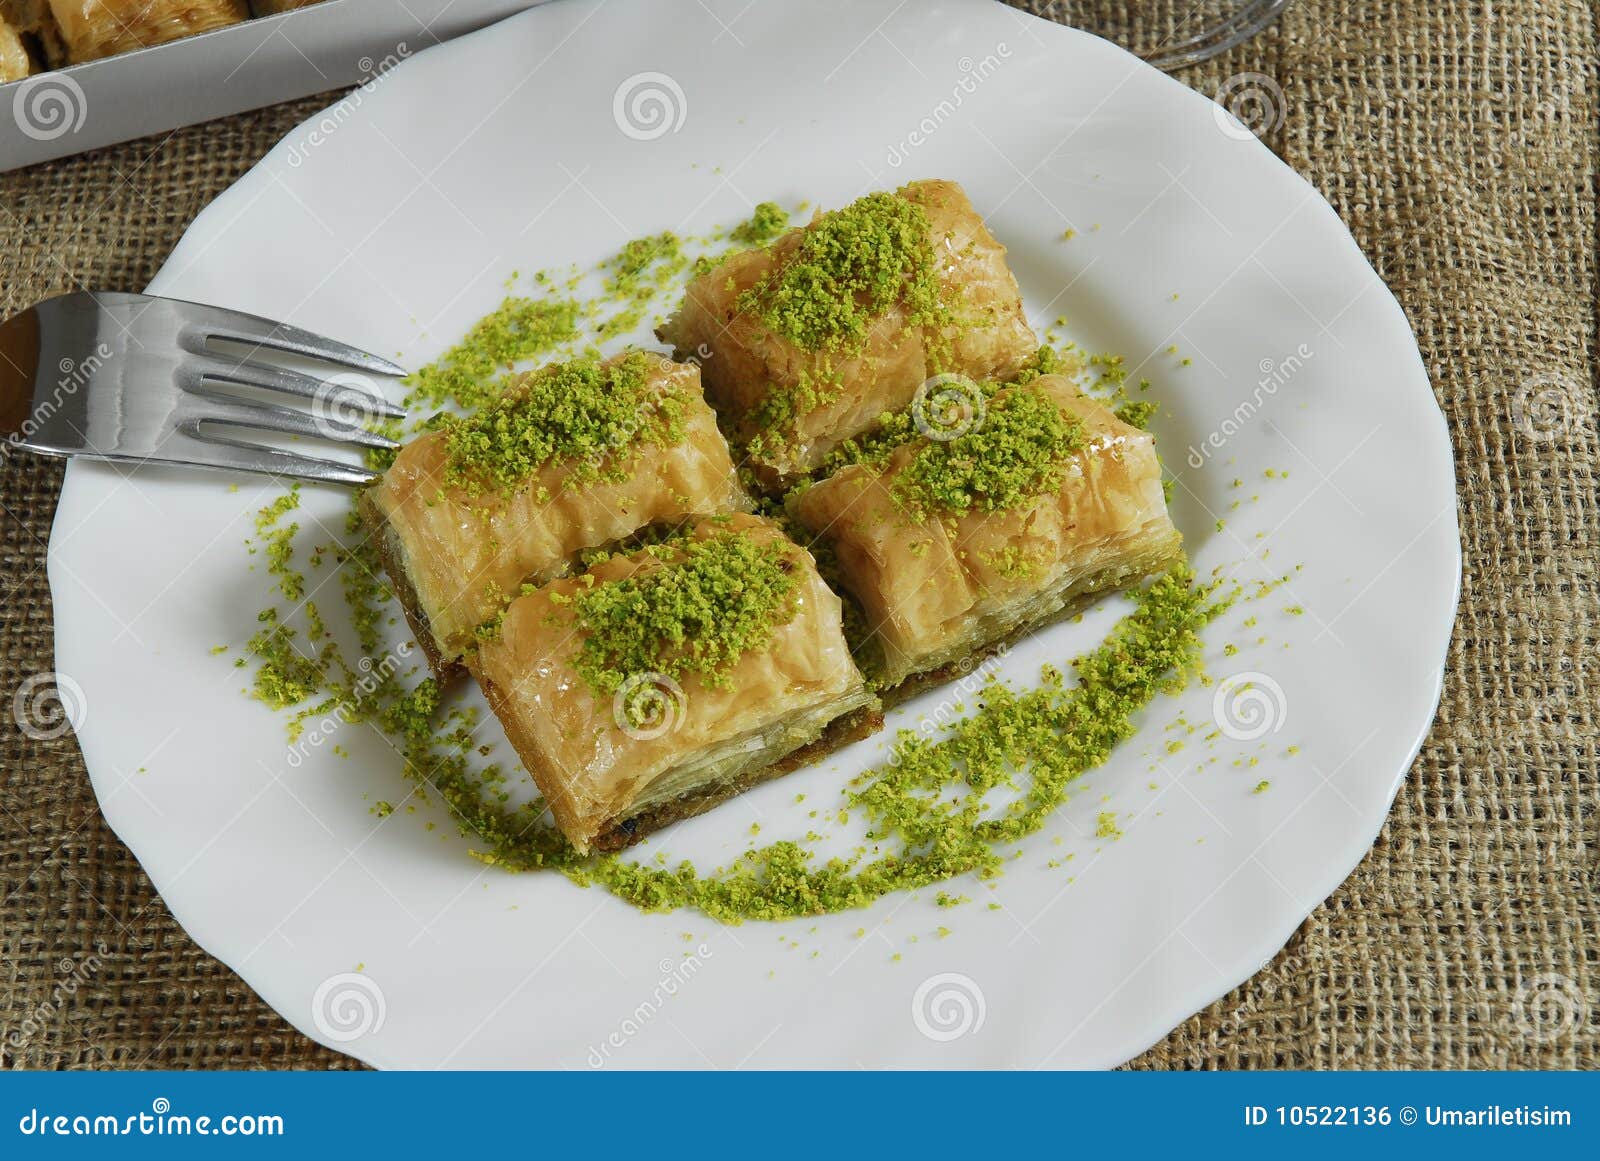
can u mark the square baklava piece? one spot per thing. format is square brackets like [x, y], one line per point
[806, 342]
[658, 683]
[572, 457]
[983, 515]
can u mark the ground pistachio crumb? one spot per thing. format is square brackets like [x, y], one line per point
[710, 603]
[850, 267]
[767, 221]
[584, 412]
[1017, 454]
[520, 329]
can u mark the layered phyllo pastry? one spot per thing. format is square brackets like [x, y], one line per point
[29, 39]
[90, 29]
[14, 60]
[981, 513]
[806, 342]
[571, 457]
[660, 682]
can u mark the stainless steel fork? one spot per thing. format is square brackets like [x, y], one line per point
[134, 378]
[1234, 29]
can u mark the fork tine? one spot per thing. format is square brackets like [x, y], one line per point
[248, 374]
[237, 327]
[286, 420]
[238, 455]
[1242, 24]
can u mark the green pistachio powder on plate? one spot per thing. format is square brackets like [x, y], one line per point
[954, 804]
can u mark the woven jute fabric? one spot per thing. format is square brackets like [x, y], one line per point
[1458, 142]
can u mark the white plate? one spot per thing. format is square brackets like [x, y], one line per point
[393, 222]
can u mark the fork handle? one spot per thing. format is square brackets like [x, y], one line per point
[19, 355]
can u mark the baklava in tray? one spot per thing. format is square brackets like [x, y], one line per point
[658, 683]
[809, 340]
[955, 539]
[574, 456]
[91, 29]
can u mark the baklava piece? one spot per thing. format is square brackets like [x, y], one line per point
[14, 60]
[658, 684]
[956, 536]
[91, 29]
[574, 456]
[806, 342]
[31, 39]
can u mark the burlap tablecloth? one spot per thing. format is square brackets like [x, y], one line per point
[1458, 141]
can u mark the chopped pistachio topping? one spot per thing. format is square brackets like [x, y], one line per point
[521, 329]
[766, 223]
[636, 275]
[583, 411]
[849, 268]
[711, 602]
[1015, 455]
[1137, 413]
